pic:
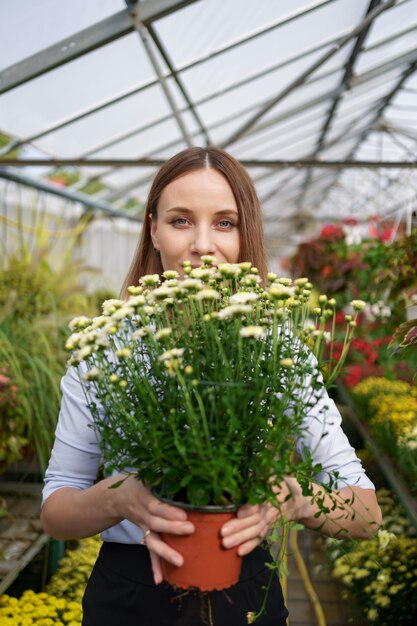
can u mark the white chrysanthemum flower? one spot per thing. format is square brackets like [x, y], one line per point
[234, 309]
[283, 280]
[174, 353]
[124, 353]
[358, 305]
[170, 274]
[251, 280]
[245, 266]
[136, 301]
[229, 270]
[73, 341]
[123, 313]
[208, 294]
[288, 363]
[321, 333]
[255, 332]
[98, 322]
[208, 259]
[111, 305]
[135, 290]
[162, 293]
[83, 353]
[150, 280]
[202, 273]
[149, 310]
[161, 334]
[243, 297]
[89, 337]
[191, 284]
[142, 332]
[271, 276]
[172, 283]
[384, 538]
[80, 322]
[301, 282]
[278, 291]
[93, 374]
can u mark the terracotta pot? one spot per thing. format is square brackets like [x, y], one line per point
[207, 565]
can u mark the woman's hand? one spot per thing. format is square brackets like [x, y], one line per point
[252, 523]
[137, 504]
[248, 529]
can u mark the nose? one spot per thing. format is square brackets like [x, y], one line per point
[203, 242]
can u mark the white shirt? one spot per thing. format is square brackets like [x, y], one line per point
[76, 453]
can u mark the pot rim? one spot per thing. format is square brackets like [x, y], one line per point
[207, 508]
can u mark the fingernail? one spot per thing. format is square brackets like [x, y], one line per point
[225, 530]
[177, 561]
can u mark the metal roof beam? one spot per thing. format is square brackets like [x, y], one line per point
[384, 104]
[310, 70]
[135, 90]
[84, 41]
[130, 92]
[273, 163]
[143, 34]
[67, 194]
[344, 84]
[179, 83]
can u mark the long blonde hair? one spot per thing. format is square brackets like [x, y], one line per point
[252, 243]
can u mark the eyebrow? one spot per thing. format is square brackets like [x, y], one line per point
[185, 210]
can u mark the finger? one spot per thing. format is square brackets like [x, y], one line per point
[249, 517]
[251, 533]
[162, 509]
[163, 525]
[248, 546]
[156, 567]
[163, 551]
[247, 510]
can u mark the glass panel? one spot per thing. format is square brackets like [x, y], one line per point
[84, 82]
[85, 134]
[391, 21]
[202, 28]
[302, 96]
[387, 52]
[30, 26]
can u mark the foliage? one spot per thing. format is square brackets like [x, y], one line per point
[329, 262]
[39, 293]
[381, 572]
[390, 408]
[202, 385]
[6, 140]
[74, 570]
[11, 435]
[60, 604]
[372, 269]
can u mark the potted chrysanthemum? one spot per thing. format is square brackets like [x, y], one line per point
[201, 385]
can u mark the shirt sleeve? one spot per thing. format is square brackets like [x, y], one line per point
[76, 452]
[324, 438]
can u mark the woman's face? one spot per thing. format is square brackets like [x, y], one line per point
[196, 215]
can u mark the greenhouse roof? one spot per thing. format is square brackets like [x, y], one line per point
[318, 98]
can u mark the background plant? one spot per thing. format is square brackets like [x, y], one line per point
[390, 409]
[381, 573]
[39, 292]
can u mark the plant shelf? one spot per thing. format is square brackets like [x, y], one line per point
[386, 465]
[21, 534]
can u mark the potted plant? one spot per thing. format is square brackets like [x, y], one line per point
[201, 385]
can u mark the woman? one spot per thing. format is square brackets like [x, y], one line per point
[202, 202]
